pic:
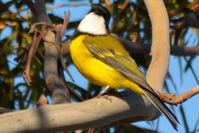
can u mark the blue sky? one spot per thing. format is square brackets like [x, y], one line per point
[191, 106]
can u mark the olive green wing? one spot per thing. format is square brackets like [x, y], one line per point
[110, 51]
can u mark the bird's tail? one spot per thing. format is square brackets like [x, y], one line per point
[162, 108]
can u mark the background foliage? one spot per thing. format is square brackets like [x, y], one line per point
[129, 20]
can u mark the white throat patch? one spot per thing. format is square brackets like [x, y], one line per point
[93, 24]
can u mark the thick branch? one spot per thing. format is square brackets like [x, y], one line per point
[51, 70]
[51, 53]
[160, 48]
[96, 112]
[38, 9]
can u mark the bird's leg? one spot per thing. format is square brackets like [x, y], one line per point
[103, 91]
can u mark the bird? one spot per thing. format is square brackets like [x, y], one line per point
[102, 59]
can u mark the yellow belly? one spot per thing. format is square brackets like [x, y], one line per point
[95, 70]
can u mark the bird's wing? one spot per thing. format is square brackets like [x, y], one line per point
[111, 52]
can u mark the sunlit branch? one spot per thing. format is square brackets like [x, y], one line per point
[173, 99]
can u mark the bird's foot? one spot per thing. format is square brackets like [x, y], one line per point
[106, 96]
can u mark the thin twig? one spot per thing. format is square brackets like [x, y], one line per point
[33, 48]
[173, 99]
[60, 32]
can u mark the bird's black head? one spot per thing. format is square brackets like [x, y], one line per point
[101, 11]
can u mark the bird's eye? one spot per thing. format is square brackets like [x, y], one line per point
[104, 10]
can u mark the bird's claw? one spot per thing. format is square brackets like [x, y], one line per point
[107, 97]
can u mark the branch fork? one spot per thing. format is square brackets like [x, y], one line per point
[40, 29]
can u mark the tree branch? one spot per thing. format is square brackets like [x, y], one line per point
[173, 99]
[160, 48]
[123, 107]
[38, 10]
[137, 48]
[96, 112]
[51, 52]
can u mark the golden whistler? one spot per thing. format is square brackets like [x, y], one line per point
[103, 60]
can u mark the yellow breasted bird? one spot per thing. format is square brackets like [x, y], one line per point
[103, 60]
